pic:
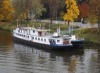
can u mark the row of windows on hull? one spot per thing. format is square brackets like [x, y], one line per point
[39, 39]
[22, 35]
[34, 38]
[25, 31]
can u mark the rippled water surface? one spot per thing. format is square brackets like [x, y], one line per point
[18, 58]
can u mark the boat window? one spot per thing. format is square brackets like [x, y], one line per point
[38, 38]
[33, 31]
[41, 39]
[45, 40]
[28, 36]
[58, 40]
[32, 37]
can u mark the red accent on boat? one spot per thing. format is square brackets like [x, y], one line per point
[65, 42]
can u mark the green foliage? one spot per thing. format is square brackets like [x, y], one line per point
[90, 34]
[93, 19]
[24, 9]
[6, 26]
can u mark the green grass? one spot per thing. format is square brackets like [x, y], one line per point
[6, 26]
[90, 34]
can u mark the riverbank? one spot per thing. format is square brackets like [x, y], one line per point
[7, 26]
[89, 34]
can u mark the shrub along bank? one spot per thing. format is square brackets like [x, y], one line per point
[89, 34]
[6, 26]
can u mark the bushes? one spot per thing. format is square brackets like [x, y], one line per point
[6, 26]
[90, 34]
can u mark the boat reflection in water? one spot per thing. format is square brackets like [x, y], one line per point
[48, 61]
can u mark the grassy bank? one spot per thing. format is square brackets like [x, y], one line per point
[7, 26]
[90, 34]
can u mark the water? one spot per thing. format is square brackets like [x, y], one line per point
[18, 58]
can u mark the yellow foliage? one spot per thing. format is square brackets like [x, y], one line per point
[1, 16]
[6, 10]
[72, 10]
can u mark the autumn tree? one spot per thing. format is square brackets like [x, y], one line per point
[6, 10]
[72, 11]
[84, 10]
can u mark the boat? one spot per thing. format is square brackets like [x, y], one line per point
[41, 38]
[76, 42]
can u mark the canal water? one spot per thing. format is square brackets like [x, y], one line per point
[18, 58]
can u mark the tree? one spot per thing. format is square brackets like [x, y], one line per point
[55, 9]
[26, 8]
[84, 10]
[72, 11]
[37, 8]
[6, 10]
[95, 9]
